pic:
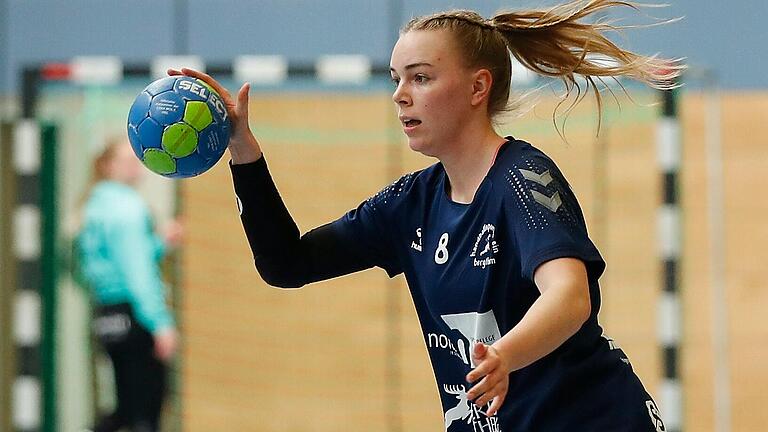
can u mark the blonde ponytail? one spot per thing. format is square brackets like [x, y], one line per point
[555, 43]
[551, 42]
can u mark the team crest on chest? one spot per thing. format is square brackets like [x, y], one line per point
[486, 247]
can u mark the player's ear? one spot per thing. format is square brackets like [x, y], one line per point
[481, 86]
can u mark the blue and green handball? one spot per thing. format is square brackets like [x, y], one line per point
[178, 126]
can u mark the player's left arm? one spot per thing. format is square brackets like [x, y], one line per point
[560, 311]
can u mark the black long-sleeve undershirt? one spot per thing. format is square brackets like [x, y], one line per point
[282, 257]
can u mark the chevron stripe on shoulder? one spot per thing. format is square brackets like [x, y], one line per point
[552, 203]
[543, 179]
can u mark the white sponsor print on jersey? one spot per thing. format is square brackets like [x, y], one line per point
[485, 247]
[653, 411]
[416, 245]
[458, 348]
[469, 412]
[474, 327]
[239, 205]
[614, 346]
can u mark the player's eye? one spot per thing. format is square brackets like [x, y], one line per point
[420, 78]
[395, 81]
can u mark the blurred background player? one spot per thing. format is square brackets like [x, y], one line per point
[491, 239]
[119, 258]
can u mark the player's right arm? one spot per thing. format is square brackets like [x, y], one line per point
[283, 257]
[286, 259]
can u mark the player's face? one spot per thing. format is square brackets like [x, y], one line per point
[125, 167]
[433, 90]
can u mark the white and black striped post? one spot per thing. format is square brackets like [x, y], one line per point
[29, 201]
[7, 277]
[27, 306]
[670, 240]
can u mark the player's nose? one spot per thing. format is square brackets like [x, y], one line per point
[401, 95]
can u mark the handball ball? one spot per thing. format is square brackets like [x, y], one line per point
[178, 126]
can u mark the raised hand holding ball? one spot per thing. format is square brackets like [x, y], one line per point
[179, 126]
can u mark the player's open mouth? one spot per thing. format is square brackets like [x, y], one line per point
[409, 123]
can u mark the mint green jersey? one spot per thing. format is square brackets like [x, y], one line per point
[120, 253]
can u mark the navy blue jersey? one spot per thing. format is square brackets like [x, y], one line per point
[470, 270]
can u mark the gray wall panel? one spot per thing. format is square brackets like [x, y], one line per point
[3, 46]
[46, 30]
[730, 39]
[299, 29]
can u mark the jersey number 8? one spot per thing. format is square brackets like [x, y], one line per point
[441, 253]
